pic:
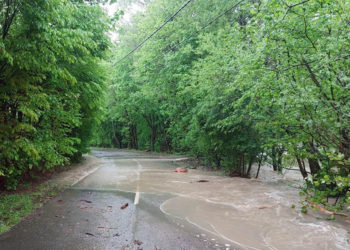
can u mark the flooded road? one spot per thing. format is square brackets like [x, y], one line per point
[168, 210]
[235, 211]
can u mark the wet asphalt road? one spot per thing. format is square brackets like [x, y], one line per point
[89, 216]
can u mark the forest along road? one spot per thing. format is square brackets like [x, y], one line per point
[136, 201]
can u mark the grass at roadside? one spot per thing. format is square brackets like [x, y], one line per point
[14, 206]
[32, 194]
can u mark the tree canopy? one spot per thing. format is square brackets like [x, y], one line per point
[52, 77]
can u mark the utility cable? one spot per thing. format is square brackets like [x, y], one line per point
[154, 32]
[191, 35]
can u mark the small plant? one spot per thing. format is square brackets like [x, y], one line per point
[304, 209]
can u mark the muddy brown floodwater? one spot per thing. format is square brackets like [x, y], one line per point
[234, 211]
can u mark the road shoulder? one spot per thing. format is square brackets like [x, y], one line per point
[16, 206]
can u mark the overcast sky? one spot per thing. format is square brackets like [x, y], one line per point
[130, 9]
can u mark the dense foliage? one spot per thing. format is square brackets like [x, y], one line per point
[268, 80]
[52, 80]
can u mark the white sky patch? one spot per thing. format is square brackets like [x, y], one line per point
[129, 11]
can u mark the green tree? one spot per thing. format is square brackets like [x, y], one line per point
[52, 77]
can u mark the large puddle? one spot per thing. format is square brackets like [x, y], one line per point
[242, 212]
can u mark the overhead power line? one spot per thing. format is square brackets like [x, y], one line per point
[192, 34]
[154, 32]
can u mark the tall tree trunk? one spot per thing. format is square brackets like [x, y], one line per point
[243, 165]
[313, 163]
[279, 160]
[314, 166]
[4, 113]
[251, 161]
[344, 147]
[257, 172]
[217, 160]
[117, 140]
[276, 154]
[302, 168]
[274, 157]
[136, 142]
[133, 136]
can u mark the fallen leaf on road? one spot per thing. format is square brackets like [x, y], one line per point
[181, 170]
[124, 206]
[59, 200]
[89, 234]
[203, 181]
[263, 207]
[138, 242]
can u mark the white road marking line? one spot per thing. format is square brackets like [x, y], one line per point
[86, 175]
[137, 193]
[137, 198]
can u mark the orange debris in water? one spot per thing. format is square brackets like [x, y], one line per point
[181, 170]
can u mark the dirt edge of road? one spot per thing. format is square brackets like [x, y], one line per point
[76, 172]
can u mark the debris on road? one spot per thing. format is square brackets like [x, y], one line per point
[181, 170]
[138, 242]
[85, 207]
[203, 181]
[263, 207]
[327, 211]
[90, 234]
[86, 201]
[116, 235]
[29, 218]
[124, 206]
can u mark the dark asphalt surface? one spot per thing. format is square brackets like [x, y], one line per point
[92, 218]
